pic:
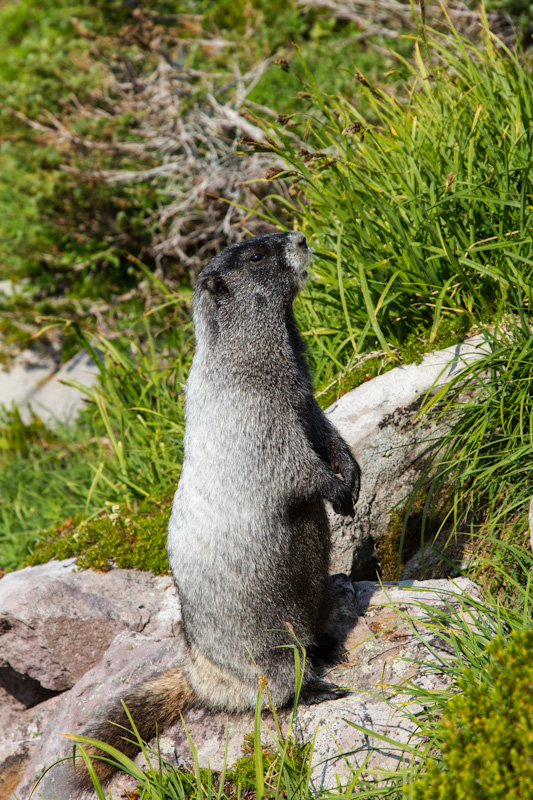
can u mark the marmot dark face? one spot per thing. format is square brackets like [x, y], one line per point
[248, 273]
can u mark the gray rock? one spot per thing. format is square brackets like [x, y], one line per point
[60, 398]
[131, 659]
[34, 383]
[383, 648]
[18, 383]
[378, 643]
[377, 420]
[20, 732]
[7, 288]
[56, 625]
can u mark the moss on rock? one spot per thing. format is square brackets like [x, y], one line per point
[118, 537]
[396, 546]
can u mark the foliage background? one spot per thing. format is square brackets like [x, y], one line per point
[137, 140]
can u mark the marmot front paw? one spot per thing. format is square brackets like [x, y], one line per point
[341, 499]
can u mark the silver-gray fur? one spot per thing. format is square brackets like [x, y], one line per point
[248, 538]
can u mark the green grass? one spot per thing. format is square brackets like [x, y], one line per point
[478, 475]
[417, 198]
[452, 330]
[44, 478]
[125, 449]
[408, 258]
[63, 227]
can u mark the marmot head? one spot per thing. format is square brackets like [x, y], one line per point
[267, 270]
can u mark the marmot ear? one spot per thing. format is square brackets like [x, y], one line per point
[214, 284]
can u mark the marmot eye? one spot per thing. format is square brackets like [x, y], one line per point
[256, 257]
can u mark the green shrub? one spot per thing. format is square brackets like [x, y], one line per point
[486, 731]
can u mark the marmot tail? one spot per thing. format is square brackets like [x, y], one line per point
[153, 706]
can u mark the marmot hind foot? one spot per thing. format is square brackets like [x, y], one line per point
[318, 691]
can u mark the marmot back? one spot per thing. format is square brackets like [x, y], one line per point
[248, 538]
